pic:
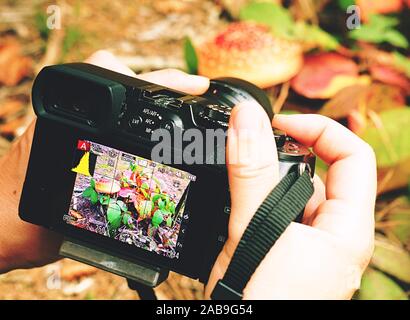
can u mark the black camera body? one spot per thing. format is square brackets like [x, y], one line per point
[91, 176]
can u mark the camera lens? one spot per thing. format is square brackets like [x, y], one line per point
[232, 91]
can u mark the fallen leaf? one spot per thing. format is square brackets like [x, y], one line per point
[13, 65]
[381, 97]
[77, 288]
[392, 259]
[233, 7]
[393, 177]
[377, 286]
[390, 76]
[389, 137]
[324, 74]
[369, 7]
[75, 214]
[344, 102]
[76, 271]
[401, 215]
[11, 109]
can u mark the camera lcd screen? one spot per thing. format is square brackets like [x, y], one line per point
[129, 198]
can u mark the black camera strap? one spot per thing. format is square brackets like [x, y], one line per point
[282, 206]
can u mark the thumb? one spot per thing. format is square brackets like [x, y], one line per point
[252, 166]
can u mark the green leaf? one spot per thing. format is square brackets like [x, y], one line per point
[145, 207]
[87, 192]
[145, 194]
[92, 183]
[314, 35]
[145, 186]
[155, 197]
[73, 35]
[344, 4]
[402, 63]
[377, 286]
[392, 259]
[289, 112]
[104, 200]
[161, 204]
[169, 221]
[383, 22]
[114, 215]
[271, 14]
[157, 218]
[380, 29]
[400, 219]
[396, 39]
[191, 58]
[281, 23]
[126, 219]
[396, 129]
[94, 197]
[171, 207]
[122, 205]
[40, 20]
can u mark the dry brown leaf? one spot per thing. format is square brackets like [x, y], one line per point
[346, 100]
[356, 101]
[10, 109]
[13, 65]
[384, 97]
[76, 271]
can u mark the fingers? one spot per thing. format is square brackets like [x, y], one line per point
[351, 179]
[172, 78]
[318, 197]
[177, 80]
[107, 60]
[252, 165]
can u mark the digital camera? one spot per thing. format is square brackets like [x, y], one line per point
[91, 176]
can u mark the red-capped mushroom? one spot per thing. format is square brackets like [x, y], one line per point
[107, 186]
[249, 51]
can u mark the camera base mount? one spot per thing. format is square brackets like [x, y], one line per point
[132, 270]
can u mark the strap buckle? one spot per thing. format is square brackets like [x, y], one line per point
[302, 167]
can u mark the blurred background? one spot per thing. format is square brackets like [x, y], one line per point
[345, 59]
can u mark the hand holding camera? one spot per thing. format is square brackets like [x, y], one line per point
[307, 261]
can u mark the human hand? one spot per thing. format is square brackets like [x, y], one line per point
[24, 245]
[324, 257]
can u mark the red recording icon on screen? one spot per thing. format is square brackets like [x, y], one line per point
[83, 145]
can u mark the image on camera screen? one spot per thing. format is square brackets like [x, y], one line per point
[129, 198]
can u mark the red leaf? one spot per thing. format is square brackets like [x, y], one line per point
[390, 76]
[324, 74]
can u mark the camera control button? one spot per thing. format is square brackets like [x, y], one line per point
[292, 147]
[135, 122]
[168, 125]
[217, 112]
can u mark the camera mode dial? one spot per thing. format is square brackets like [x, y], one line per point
[217, 113]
